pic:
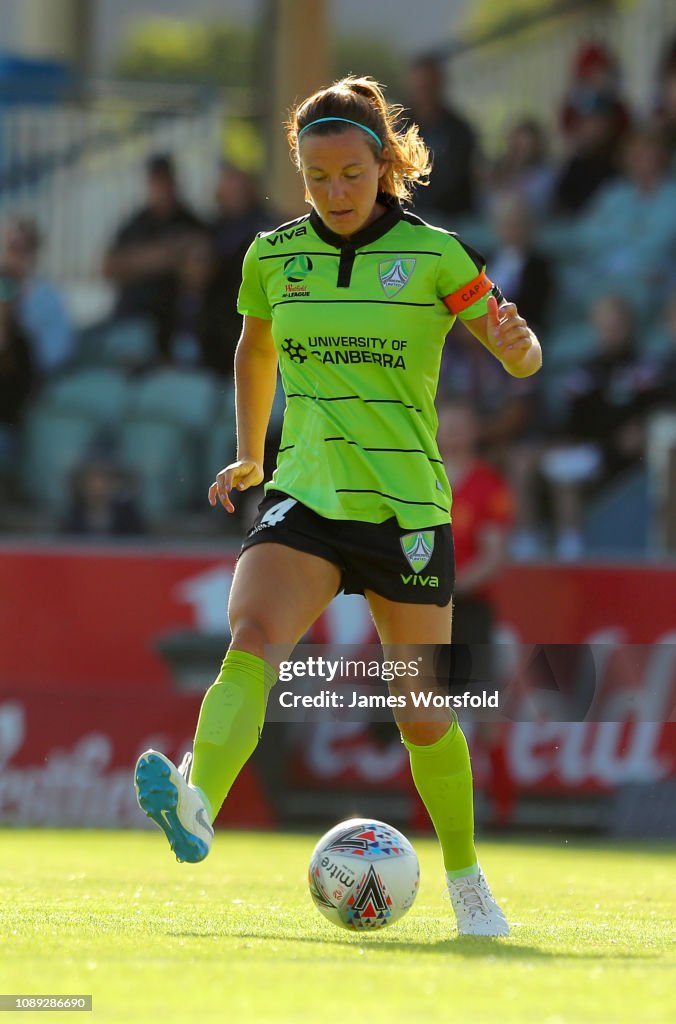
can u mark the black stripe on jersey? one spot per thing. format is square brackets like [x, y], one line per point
[337, 398]
[301, 252]
[363, 302]
[364, 252]
[349, 398]
[405, 451]
[286, 448]
[398, 252]
[392, 497]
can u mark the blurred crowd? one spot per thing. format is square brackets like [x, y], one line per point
[584, 243]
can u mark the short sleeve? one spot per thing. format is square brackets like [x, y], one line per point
[462, 282]
[252, 300]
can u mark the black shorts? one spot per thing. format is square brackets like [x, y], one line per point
[409, 566]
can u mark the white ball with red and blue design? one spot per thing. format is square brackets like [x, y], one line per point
[363, 875]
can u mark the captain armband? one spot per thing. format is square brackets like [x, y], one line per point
[466, 296]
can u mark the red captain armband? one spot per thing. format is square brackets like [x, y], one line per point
[468, 294]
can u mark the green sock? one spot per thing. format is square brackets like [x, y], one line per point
[230, 723]
[443, 777]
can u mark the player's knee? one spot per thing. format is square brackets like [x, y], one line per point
[250, 634]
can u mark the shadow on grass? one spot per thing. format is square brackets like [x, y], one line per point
[465, 946]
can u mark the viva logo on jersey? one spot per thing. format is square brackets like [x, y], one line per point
[395, 274]
[418, 548]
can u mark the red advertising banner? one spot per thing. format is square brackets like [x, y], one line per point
[98, 645]
[68, 760]
[73, 616]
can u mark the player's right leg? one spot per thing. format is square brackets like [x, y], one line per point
[277, 593]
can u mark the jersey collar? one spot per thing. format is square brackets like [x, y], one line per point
[371, 233]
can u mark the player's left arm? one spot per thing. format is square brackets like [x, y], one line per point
[508, 337]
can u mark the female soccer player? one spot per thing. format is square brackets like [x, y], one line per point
[353, 302]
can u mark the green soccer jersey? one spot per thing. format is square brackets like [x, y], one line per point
[359, 328]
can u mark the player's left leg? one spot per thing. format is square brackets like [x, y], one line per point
[440, 764]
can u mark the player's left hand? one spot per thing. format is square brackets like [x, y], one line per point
[508, 333]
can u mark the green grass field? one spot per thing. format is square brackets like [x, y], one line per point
[238, 939]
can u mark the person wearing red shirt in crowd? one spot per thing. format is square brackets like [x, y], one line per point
[482, 515]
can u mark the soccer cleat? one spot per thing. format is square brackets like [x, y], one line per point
[165, 795]
[475, 908]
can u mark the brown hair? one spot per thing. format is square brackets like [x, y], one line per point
[361, 100]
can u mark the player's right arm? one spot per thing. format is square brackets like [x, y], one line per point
[255, 383]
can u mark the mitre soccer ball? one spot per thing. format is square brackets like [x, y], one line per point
[363, 874]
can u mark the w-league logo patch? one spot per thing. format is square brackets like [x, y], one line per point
[418, 548]
[395, 274]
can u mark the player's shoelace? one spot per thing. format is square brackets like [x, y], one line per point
[471, 895]
[473, 901]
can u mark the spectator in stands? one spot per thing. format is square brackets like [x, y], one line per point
[513, 424]
[607, 401]
[524, 273]
[666, 114]
[627, 241]
[103, 500]
[482, 516]
[197, 329]
[241, 214]
[512, 414]
[524, 168]
[666, 365]
[16, 366]
[451, 139]
[507, 407]
[41, 309]
[593, 155]
[143, 258]
[595, 75]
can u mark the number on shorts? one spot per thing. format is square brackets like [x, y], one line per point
[275, 514]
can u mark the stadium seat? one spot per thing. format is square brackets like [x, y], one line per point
[53, 443]
[89, 344]
[129, 344]
[162, 455]
[101, 394]
[618, 520]
[186, 398]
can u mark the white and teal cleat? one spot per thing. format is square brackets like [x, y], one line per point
[476, 910]
[165, 795]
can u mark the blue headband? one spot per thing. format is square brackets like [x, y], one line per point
[345, 120]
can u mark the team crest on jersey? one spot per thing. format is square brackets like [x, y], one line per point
[418, 548]
[395, 274]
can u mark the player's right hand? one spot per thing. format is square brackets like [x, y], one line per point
[240, 475]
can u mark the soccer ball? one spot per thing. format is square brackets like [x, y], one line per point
[363, 874]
